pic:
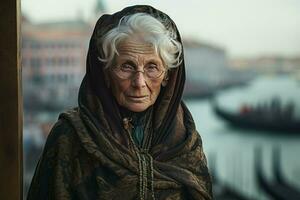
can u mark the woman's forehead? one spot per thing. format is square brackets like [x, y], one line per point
[132, 50]
[134, 46]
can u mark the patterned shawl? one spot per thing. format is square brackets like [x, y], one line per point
[90, 153]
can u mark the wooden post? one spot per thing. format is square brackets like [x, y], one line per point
[10, 102]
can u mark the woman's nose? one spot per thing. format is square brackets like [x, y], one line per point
[139, 80]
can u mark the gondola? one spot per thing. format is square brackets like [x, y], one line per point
[279, 176]
[258, 121]
[275, 189]
[221, 190]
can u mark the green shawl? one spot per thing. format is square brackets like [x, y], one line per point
[90, 152]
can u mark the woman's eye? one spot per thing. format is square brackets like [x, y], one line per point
[152, 67]
[127, 67]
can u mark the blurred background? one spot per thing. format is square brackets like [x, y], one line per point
[243, 83]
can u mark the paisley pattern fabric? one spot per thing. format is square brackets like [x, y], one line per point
[90, 152]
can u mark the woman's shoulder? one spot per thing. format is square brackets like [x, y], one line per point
[62, 131]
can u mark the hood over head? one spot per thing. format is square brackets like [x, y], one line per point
[97, 98]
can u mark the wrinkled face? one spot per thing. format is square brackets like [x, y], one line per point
[138, 92]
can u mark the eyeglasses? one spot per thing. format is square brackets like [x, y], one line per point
[126, 71]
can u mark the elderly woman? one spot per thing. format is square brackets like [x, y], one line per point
[131, 136]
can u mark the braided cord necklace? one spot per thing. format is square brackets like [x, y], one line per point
[144, 160]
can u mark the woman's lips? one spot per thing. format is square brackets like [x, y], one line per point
[138, 98]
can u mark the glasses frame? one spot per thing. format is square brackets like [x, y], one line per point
[134, 72]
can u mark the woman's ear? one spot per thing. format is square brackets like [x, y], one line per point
[165, 80]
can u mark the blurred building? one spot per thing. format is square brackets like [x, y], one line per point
[207, 69]
[53, 62]
[269, 64]
[204, 62]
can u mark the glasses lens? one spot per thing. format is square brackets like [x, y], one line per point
[153, 73]
[124, 74]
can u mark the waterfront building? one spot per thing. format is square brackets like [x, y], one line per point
[53, 62]
[206, 67]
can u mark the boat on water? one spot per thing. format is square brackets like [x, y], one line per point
[279, 188]
[221, 190]
[273, 118]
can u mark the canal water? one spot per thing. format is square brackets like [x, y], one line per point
[232, 149]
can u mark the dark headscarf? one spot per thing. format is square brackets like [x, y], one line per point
[105, 163]
[169, 99]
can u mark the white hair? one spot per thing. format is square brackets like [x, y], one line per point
[151, 30]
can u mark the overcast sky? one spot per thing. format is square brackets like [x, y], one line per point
[241, 27]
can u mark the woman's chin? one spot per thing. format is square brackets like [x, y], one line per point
[138, 107]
